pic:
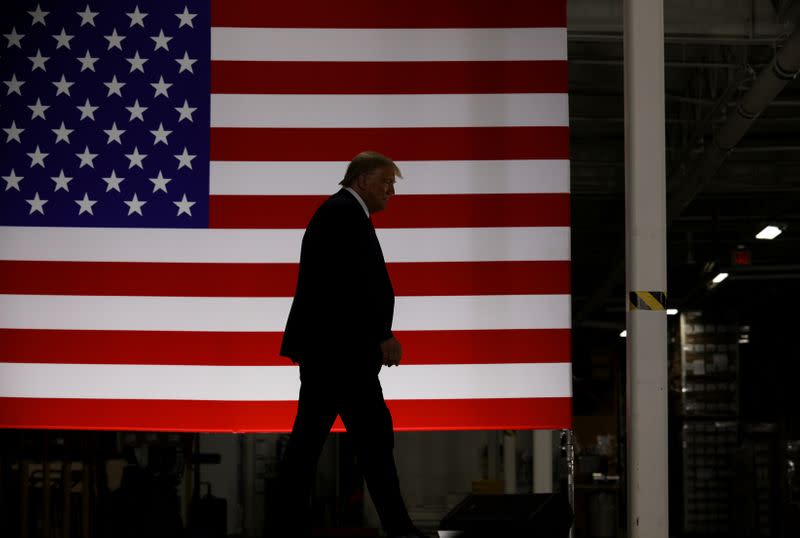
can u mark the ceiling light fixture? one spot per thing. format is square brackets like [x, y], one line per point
[624, 334]
[719, 278]
[672, 311]
[769, 232]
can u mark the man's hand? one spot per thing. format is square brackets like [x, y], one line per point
[392, 352]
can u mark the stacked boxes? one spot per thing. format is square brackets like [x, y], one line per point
[709, 412]
[707, 471]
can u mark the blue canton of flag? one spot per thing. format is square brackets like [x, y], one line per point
[104, 110]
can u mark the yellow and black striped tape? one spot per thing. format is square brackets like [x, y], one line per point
[647, 300]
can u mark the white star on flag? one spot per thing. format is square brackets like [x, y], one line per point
[114, 40]
[87, 110]
[114, 134]
[135, 158]
[186, 63]
[161, 87]
[87, 17]
[135, 205]
[162, 41]
[160, 182]
[14, 39]
[114, 87]
[13, 132]
[87, 62]
[87, 158]
[186, 18]
[63, 39]
[137, 62]
[161, 135]
[184, 206]
[85, 204]
[37, 204]
[37, 157]
[38, 61]
[37, 110]
[112, 181]
[12, 181]
[38, 16]
[63, 86]
[62, 133]
[14, 85]
[136, 111]
[137, 17]
[62, 181]
[185, 111]
[185, 159]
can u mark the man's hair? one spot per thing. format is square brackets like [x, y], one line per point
[364, 163]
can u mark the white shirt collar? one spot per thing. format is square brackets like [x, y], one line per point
[360, 200]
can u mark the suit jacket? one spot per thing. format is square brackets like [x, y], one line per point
[344, 302]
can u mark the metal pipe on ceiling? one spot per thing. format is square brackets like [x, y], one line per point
[775, 276]
[749, 270]
[761, 149]
[675, 64]
[675, 39]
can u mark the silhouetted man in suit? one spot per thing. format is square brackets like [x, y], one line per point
[340, 332]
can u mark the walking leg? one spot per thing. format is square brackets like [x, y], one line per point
[369, 422]
[316, 412]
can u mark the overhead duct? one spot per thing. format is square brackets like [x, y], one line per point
[767, 86]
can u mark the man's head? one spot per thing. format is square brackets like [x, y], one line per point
[372, 176]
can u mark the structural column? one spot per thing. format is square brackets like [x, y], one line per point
[510, 461]
[247, 483]
[542, 461]
[645, 235]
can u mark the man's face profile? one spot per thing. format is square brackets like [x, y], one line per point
[377, 187]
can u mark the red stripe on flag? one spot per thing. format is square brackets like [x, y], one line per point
[261, 349]
[481, 278]
[486, 347]
[406, 14]
[149, 279]
[405, 211]
[402, 144]
[388, 77]
[272, 280]
[233, 416]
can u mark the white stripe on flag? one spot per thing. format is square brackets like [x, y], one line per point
[388, 45]
[379, 111]
[268, 314]
[419, 177]
[275, 246]
[275, 383]
[475, 312]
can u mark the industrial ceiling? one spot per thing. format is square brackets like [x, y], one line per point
[733, 155]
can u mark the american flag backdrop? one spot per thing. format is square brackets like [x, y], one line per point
[160, 161]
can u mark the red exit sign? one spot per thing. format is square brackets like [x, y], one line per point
[741, 257]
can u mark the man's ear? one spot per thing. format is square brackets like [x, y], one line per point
[361, 181]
